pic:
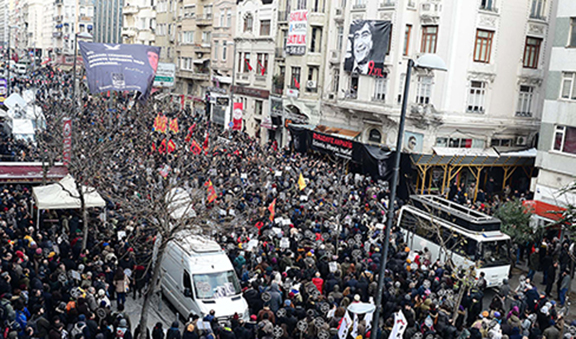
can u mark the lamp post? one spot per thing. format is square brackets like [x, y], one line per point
[8, 61]
[426, 61]
[84, 35]
[232, 86]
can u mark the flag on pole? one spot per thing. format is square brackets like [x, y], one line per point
[160, 123]
[211, 191]
[195, 148]
[301, 182]
[248, 64]
[262, 69]
[171, 146]
[162, 147]
[190, 131]
[205, 145]
[271, 209]
[296, 83]
[174, 125]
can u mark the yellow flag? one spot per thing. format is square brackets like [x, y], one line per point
[301, 182]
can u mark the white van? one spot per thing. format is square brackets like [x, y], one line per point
[20, 69]
[198, 277]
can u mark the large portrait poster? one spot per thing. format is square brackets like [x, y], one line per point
[119, 67]
[367, 46]
[297, 30]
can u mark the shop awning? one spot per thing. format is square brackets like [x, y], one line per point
[487, 157]
[545, 210]
[339, 132]
[29, 172]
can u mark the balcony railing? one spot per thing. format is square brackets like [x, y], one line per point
[537, 16]
[489, 8]
[387, 3]
[359, 6]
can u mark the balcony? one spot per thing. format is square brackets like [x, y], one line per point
[283, 16]
[277, 90]
[359, 6]
[260, 79]
[129, 31]
[537, 16]
[316, 19]
[279, 53]
[387, 4]
[430, 12]
[193, 74]
[203, 48]
[129, 10]
[58, 18]
[205, 20]
[243, 78]
[57, 34]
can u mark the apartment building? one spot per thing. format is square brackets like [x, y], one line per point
[108, 21]
[139, 23]
[4, 23]
[496, 52]
[256, 29]
[556, 157]
[299, 73]
[69, 18]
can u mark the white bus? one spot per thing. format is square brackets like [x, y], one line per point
[488, 250]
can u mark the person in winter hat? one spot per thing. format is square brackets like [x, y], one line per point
[174, 332]
[122, 331]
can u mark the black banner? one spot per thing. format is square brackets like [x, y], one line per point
[368, 43]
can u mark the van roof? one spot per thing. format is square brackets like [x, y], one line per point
[191, 242]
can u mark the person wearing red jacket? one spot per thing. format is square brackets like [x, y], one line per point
[318, 282]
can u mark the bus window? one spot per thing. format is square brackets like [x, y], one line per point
[495, 253]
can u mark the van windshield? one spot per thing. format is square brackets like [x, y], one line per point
[216, 285]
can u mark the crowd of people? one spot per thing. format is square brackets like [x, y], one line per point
[318, 254]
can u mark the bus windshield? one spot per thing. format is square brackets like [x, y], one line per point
[495, 253]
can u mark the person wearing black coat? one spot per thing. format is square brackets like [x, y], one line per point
[158, 331]
[173, 332]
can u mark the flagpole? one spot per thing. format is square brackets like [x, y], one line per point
[232, 84]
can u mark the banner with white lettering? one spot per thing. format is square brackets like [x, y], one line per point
[237, 116]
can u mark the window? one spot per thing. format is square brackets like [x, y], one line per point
[501, 142]
[262, 63]
[240, 62]
[312, 83]
[295, 81]
[340, 39]
[246, 62]
[401, 90]
[186, 63]
[264, 27]
[248, 22]
[301, 4]
[316, 40]
[375, 136]
[429, 37]
[215, 49]
[488, 5]
[407, 32]
[224, 50]
[568, 91]
[222, 22]
[531, 52]
[525, 97]
[380, 86]
[208, 12]
[476, 97]
[537, 9]
[187, 282]
[353, 91]
[206, 37]
[460, 142]
[258, 105]
[336, 81]
[424, 90]
[318, 6]
[228, 18]
[389, 40]
[483, 46]
[572, 42]
[565, 139]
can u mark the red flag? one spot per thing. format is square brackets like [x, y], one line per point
[248, 64]
[174, 125]
[205, 145]
[271, 209]
[237, 116]
[296, 83]
[171, 147]
[182, 101]
[262, 69]
[195, 148]
[190, 131]
[162, 147]
[211, 191]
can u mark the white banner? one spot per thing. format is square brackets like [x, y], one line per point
[399, 325]
[344, 326]
[297, 30]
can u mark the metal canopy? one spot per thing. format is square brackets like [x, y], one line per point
[470, 161]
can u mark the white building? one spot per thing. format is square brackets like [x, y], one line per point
[557, 140]
[256, 26]
[70, 17]
[139, 22]
[496, 52]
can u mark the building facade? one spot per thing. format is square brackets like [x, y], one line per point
[4, 23]
[139, 22]
[256, 29]
[108, 21]
[70, 17]
[556, 157]
[299, 73]
[496, 53]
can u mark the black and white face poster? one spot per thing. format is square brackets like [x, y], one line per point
[367, 46]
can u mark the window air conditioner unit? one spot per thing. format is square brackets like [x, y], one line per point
[331, 96]
[521, 141]
[311, 84]
[338, 11]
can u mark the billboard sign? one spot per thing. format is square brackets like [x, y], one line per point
[119, 67]
[237, 116]
[367, 47]
[165, 75]
[297, 31]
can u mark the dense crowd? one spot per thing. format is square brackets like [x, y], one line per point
[299, 288]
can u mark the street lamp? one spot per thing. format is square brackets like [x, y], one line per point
[83, 35]
[426, 61]
[8, 61]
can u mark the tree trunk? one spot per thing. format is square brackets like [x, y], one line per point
[143, 324]
[84, 216]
